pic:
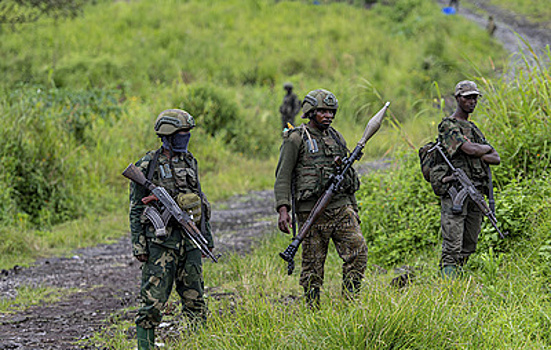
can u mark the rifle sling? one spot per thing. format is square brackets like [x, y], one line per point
[153, 164]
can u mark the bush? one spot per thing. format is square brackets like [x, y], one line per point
[40, 150]
[399, 212]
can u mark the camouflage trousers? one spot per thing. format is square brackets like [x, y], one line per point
[342, 225]
[459, 232]
[167, 267]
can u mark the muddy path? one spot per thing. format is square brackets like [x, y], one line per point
[100, 283]
[510, 26]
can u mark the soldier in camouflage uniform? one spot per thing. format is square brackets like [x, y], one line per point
[170, 260]
[468, 149]
[305, 164]
[289, 107]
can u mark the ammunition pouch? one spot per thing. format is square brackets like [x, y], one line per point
[191, 204]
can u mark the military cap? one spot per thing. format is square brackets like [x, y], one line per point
[465, 88]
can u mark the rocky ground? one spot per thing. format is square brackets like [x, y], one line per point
[102, 282]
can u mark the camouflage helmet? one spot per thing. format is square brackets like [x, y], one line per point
[319, 98]
[173, 120]
[288, 86]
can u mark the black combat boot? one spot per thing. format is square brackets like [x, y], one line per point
[312, 296]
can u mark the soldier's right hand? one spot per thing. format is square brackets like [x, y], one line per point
[284, 220]
[142, 257]
[148, 199]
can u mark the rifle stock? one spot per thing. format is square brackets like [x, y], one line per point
[190, 229]
[336, 181]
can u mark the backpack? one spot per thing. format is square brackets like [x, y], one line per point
[427, 159]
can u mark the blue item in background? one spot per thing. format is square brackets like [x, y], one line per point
[449, 10]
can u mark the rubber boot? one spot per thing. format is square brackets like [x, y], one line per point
[312, 296]
[146, 338]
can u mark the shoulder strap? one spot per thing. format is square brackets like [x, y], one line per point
[337, 139]
[153, 164]
[203, 222]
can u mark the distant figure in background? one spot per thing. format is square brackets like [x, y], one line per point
[491, 26]
[454, 4]
[289, 107]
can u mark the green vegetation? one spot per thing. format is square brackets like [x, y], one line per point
[78, 97]
[31, 296]
[535, 10]
[77, 103]
[501, 303]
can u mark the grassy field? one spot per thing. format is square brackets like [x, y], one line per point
[78, 97]
[77, 103]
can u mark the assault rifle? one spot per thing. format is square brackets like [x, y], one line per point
[333, 186]
[192, 232]
[467, 189]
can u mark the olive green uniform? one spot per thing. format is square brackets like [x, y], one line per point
[289, 109]
[311, 171]
[173, 260]
[459, 231]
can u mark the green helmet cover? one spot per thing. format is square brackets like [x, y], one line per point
[173, 120]
[321, 99]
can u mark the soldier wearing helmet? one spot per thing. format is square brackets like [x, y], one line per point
[468, 149]
[289, 107]
[172, 259]
[306, 163]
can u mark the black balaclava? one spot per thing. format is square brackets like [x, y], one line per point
[178, 142]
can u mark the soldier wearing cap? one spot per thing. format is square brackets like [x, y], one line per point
[468, 149]
[289, 107]
[305, 165]
[172, 259]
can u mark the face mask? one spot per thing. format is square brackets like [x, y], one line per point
[179, 142]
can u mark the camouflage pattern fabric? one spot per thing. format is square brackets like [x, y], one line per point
[289, 109]
[459, 232]
[452, 133]
[173, 260]
[342, 225]
[165, 268]
[312, 170]
[185, 181]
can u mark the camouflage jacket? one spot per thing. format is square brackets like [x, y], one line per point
[452, 133]
[184, 179]
[311, 170]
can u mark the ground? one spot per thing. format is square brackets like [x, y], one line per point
[102, 281]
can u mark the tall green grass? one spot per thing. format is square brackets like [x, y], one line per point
[79, 97]
[255, 305]
[502, 302]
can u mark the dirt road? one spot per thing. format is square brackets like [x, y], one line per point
[102, 281]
